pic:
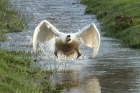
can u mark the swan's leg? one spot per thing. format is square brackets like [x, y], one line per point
[55, 53]
[56, 50]
[78, 53]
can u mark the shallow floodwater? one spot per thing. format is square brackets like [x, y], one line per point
[115, 69]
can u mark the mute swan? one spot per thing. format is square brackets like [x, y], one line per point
[67, 44]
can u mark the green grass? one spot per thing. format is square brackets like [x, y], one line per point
[16, 76]
[9, 21]
[120, 19]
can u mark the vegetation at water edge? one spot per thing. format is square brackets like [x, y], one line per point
[9, 21]
[119, 19]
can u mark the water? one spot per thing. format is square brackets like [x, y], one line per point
[115, 69]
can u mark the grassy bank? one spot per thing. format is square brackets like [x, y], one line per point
[16, 76]
[120, 19]
[9, 22]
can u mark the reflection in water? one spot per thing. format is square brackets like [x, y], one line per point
[77, 85]
[93, 86]
[70, 76]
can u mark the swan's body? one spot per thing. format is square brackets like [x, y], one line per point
[69, 49]
[67, 44]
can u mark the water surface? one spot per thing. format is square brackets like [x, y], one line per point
[115, 69]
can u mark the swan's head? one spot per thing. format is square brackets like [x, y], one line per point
[68, 38]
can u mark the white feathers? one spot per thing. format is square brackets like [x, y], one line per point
[43, 33]
[89, 35]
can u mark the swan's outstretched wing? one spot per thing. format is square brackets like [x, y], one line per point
[91, 37]
[43, 33]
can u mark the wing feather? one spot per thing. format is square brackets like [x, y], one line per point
[43, 33]
[91, 37]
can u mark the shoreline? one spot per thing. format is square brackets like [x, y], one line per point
[119, 19]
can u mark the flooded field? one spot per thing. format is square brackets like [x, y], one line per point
[114, 70]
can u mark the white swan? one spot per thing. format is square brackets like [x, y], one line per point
[67, 44]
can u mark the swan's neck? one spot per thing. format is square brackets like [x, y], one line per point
[67, 42]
